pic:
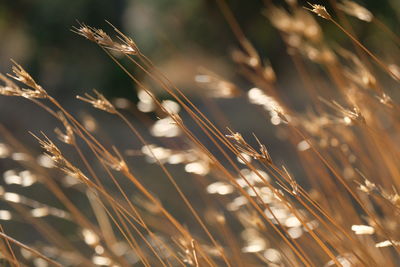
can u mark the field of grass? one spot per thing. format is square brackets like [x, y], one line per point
[189, 189]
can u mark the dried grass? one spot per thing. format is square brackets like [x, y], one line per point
[247, 210]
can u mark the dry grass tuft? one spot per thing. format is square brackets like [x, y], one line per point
[230, 202]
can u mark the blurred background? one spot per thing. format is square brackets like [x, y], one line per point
[179, 36]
